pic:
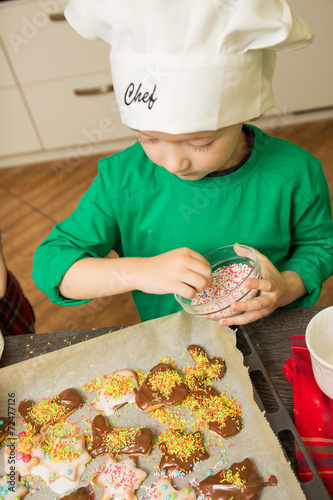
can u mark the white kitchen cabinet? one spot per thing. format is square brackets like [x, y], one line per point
[65, 118]
[40, 48]
[44, 66]
[6, 76]
[17, 134]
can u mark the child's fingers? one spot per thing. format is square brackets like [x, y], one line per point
[246, 317]
[254, 304]
[261, 284]
[195, 280]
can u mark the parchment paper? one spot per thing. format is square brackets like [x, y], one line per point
[141, 347]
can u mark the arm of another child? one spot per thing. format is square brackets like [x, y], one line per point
[181, 271]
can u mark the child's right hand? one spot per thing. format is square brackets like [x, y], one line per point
[182, 271]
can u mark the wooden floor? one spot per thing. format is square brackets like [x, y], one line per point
[34, 198]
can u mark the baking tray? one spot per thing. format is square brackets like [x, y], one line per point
[280, 421]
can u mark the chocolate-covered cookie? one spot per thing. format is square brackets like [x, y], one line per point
[163, 386]
[181, 449]
[108, 440]
[79, 494]
[49, 411]
[240, 482]
[206, 369]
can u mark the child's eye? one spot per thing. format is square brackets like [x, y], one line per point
[145, 141]
[200, 148]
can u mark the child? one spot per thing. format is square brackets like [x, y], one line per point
[187, 75]
[16, 314]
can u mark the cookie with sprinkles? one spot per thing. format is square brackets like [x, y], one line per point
[163, 386]
[64, 463]
[12, 488]
[79, 494]
[222, 415]
[163, 490]
[240, 482]
[120, 479]
[206, 369]
[27, 452]
[108, 440]
[49, 411]
[4, 424]
[118, 389]
[181, 450]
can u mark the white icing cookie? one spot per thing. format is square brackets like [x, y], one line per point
[119, 389]
[26, 454]
[120, 479]
[163, 489]
[11, 488]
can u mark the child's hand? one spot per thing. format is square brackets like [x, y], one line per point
[276, 290]
[181, 271]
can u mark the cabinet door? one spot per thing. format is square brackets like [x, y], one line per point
[65, 118]
[17, 134]
[6, 76]
[42, 46]
[303, 78]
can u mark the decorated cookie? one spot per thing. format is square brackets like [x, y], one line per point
[120, 479]
[11, 488]
[240, 482]
[181, 450]
[64, 463]
[4, 424]
[163, 490]
[49, 411]
[163, 386]
[206, 369]
[118, 390]
[80, 494]
[108, 440]
[220, 414]
[26, 453]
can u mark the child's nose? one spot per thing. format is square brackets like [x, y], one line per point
[174, 159]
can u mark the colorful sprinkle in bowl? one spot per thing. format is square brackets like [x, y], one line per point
[231, 267]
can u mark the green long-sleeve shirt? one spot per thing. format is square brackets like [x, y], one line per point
[277, 202]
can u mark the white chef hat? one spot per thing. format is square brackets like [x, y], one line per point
[181, 66]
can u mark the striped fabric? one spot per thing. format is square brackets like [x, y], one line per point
[16, 314]
[313, 413]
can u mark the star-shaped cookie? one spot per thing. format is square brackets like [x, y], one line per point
[12, 488]
[120, 479]
[119, 389]
[163, 490]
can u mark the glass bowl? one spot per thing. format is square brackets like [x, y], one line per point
[231, 269]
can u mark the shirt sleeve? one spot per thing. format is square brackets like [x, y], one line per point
[311, 250]
[90, 231]
[77, 15]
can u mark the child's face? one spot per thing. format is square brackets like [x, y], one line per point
[193, 156]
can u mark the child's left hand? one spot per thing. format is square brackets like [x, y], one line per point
[276, 290]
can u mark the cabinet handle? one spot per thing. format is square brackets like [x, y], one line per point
[59, 16]
[103, 89]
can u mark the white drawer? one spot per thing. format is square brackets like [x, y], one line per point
[6, 76]
[66, 119]
[42, 49]
[17, 134]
